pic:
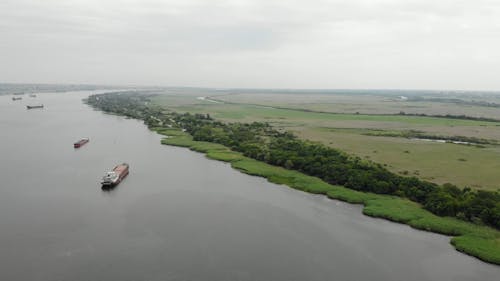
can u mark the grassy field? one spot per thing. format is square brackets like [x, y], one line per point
[374, 103]
[479, 241]
[437, 162]
[248, 113]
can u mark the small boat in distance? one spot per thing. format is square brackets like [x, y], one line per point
[34, 106]
[32, 95]
[81, 142]
[17, 98]
[114, 177]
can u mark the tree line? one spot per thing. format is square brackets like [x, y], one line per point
[450, 116]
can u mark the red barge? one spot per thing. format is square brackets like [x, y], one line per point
[114, 177]
[81, 142]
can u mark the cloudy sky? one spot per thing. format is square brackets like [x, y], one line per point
[423, 44]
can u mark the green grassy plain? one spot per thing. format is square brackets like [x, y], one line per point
[373, 103]
[250, 113]
[437, 162]
[479, 241]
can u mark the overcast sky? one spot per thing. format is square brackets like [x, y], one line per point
[423, 44]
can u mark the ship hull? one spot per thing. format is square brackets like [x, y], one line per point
[34, 106]
[80, 143]
[122, 171]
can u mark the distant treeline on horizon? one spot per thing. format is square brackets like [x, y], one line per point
[10, 88]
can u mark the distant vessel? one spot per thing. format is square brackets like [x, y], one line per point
[81, 142]
[33, 95]
[17, 98]
[114, 177]
[34, 106]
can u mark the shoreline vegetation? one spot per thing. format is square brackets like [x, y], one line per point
[471, 237]
[478, 241]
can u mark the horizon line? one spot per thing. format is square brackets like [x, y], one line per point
[248, 88]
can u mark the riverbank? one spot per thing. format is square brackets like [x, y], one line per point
[475, 240]
[260, 142]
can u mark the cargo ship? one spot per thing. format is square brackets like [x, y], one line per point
[34, 106]
[81, 142]
[114, 177]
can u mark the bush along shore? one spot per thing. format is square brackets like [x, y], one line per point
[472, 217]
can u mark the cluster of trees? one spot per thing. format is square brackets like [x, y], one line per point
[450, 116]
[260, 141]
[421, 135]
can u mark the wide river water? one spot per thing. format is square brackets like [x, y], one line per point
[178, 215]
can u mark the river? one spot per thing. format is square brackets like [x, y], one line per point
[178, 215]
